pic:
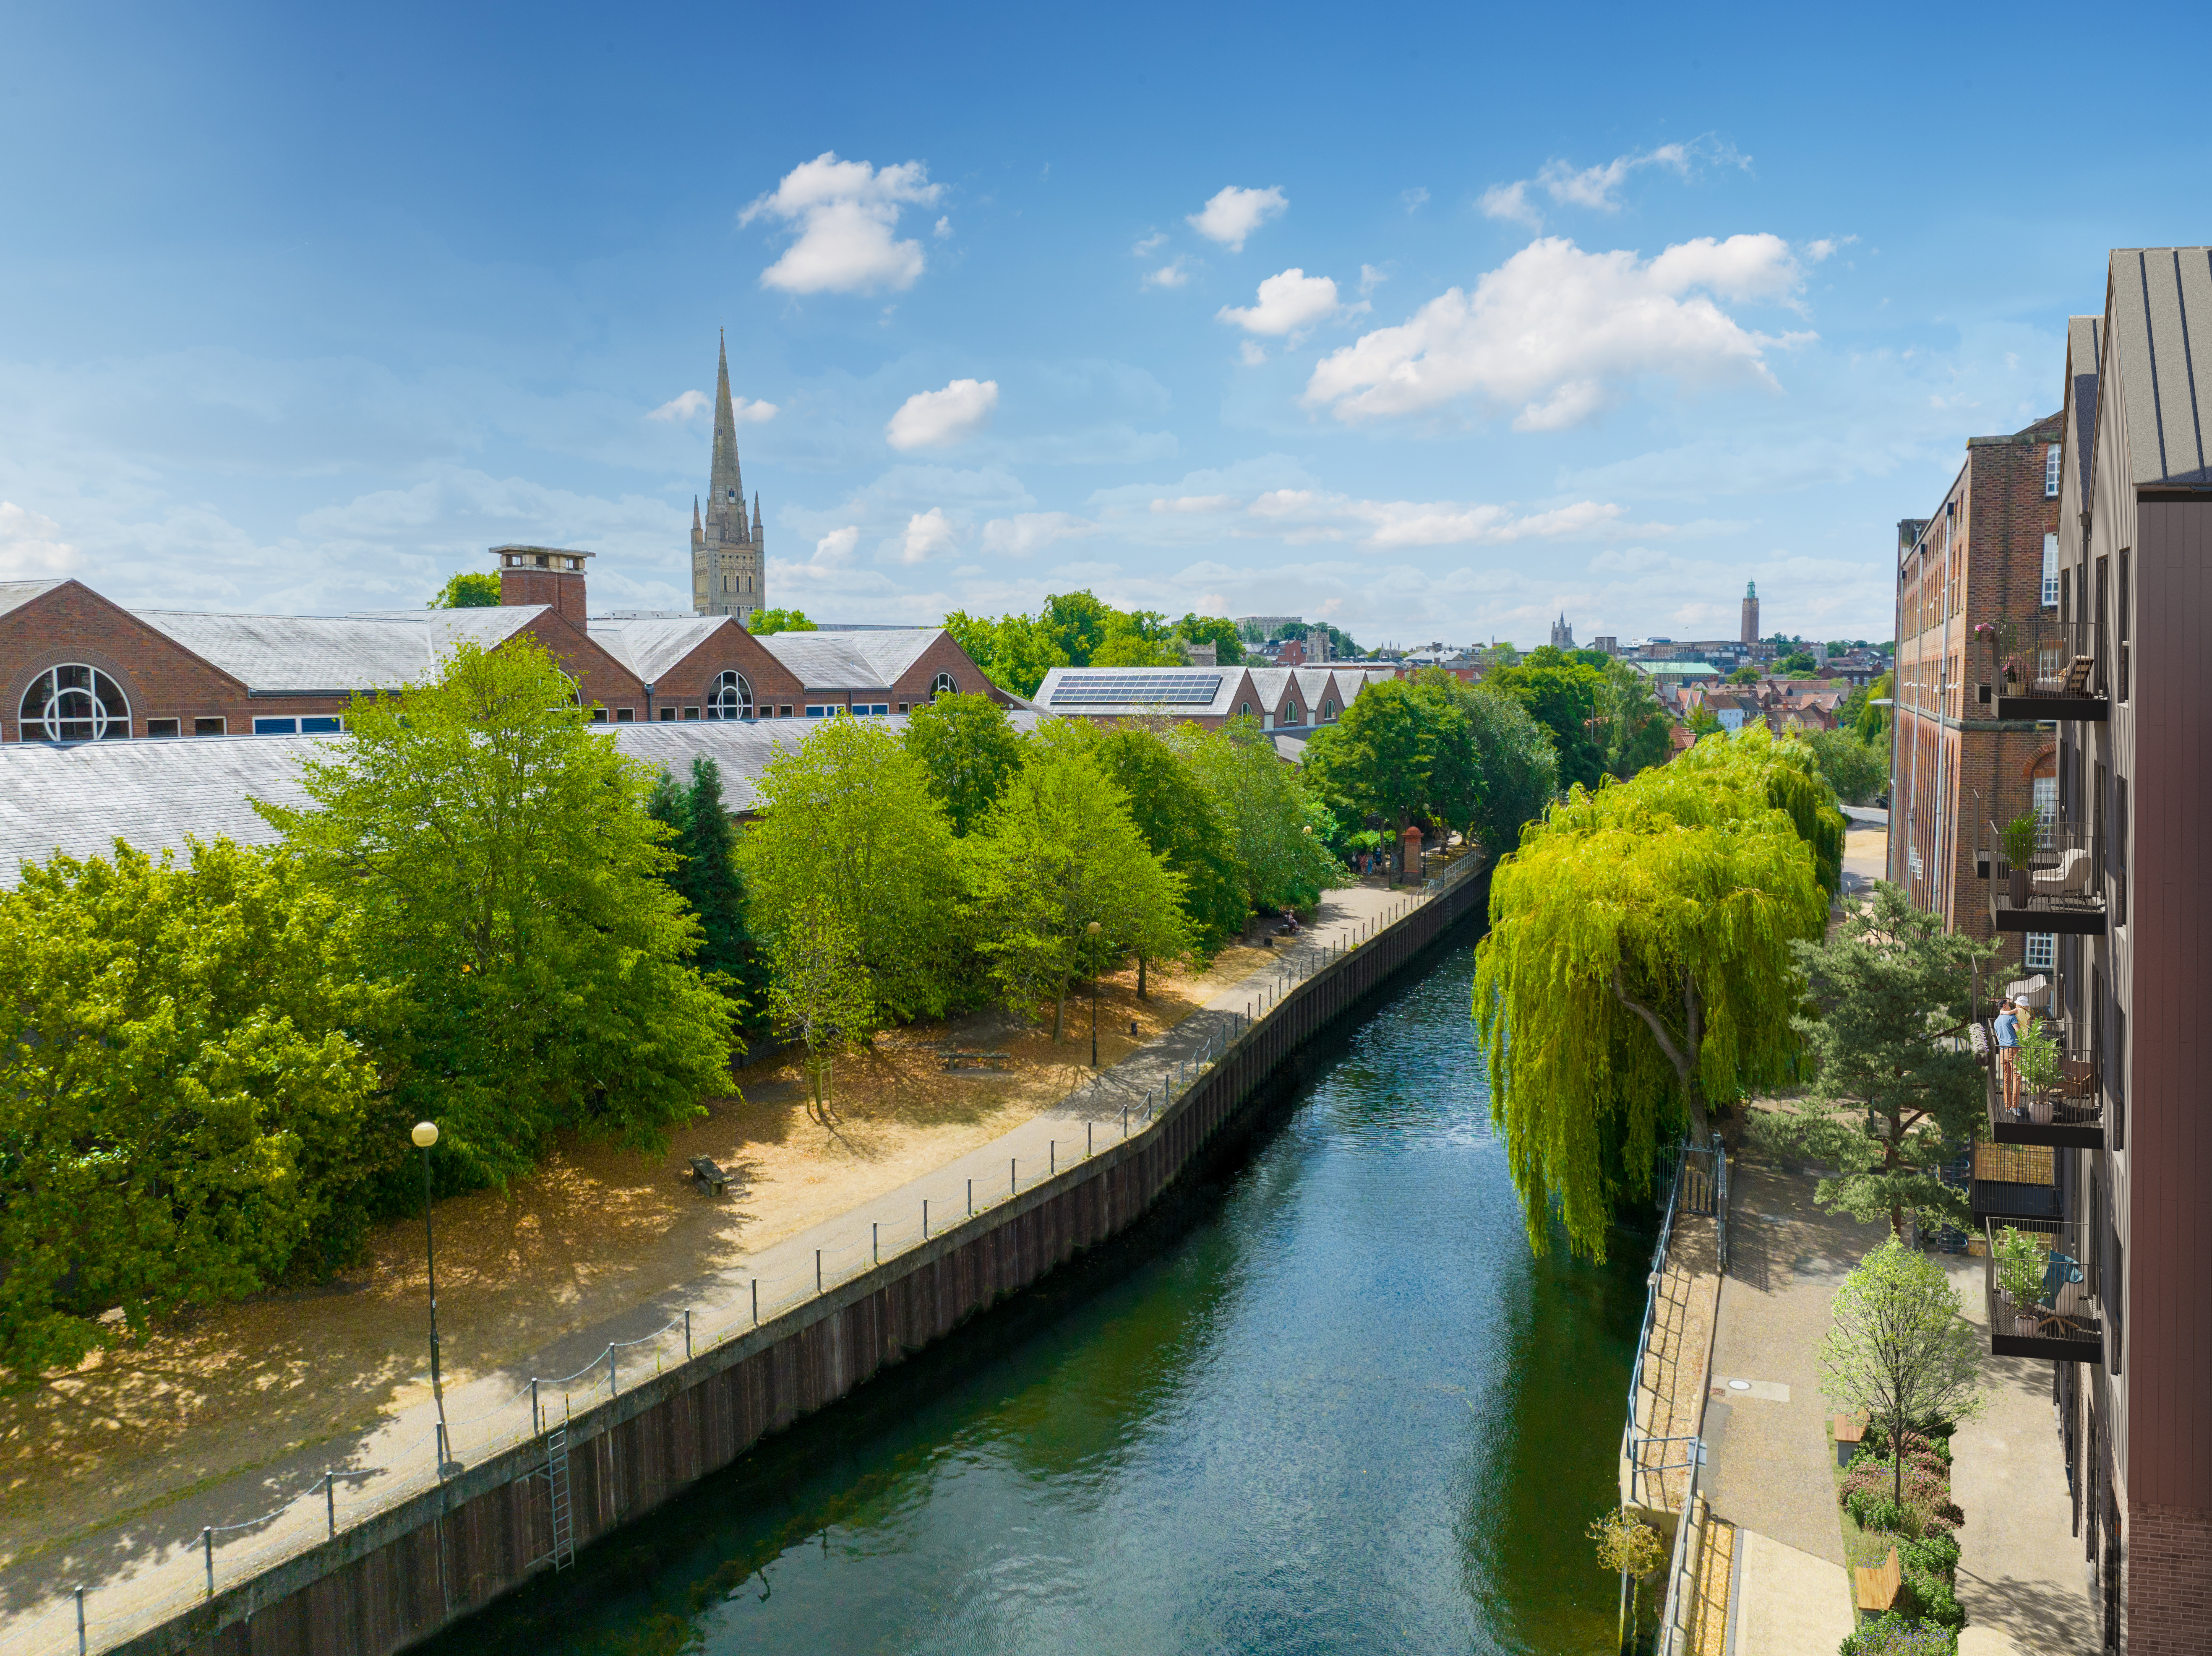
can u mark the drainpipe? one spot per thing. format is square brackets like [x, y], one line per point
[649, 704]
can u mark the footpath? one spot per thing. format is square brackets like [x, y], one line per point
[138, 1572]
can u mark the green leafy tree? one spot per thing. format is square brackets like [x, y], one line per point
[468, 589]
[1855, 769]
[1134, 650]
[1456, 778]
[1183, 825]
[1627, 723]
[1785, 769]
[1563, 695]
[1874, 721]
[506, 881]
[1056, 853]
[850, 813]
[1275, 828]
[1627, 1546]
[1218, 631]
[181, 1108]
[1704, 722]
[1798, 663]
[1890, 1084]
[706, 875]
[1340, 643]
[1078, 623]
[1898, 1350]
[765, 621]
[818, 996]
[1638, 966]
[969, 748]
[1744, 675]
[1374, 760]
[1015, 652]
[1520, 768]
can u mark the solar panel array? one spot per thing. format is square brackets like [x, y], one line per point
[1096, 689]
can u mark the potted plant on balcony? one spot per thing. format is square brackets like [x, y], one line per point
[2037, 1060]
[2020, 1274]
[2020, 837]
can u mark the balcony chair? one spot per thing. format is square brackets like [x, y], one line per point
[2069, 1318]
[2077, 677]
[2070, 879]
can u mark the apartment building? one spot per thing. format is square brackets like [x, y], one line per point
[2112, 1165]
[1989, 552]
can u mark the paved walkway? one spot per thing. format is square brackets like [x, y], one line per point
[1788, 1602]
[141, 1572]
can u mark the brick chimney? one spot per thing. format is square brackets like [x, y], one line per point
[550, 576]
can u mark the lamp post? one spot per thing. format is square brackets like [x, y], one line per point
[1091, 930]
[425, 1135]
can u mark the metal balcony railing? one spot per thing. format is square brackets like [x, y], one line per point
[2041, 1290]
[2059, 887]
[2037, 667]
[2066, 1110]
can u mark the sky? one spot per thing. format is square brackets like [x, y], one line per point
[1431, 322]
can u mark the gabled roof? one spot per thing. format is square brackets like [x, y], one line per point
[1174, 691]
[305, 653]
[2085, 347]
[649, 647]
[2161, 342]
[850, 661]
[15, 593]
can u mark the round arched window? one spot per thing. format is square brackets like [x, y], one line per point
[74, 704]
[942, 685]
[731, 698]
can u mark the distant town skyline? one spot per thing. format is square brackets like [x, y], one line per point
[311, 316]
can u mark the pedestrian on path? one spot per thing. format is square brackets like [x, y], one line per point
[2007, 1029]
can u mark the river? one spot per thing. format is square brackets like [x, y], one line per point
[1323, 1400]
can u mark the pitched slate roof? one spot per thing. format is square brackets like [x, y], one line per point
[2161, 342]
[650, 646]
[2085, 341]
[851, 661]
[15, 592]
[306, 653]
[1230, 685]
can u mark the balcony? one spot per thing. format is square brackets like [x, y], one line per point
[2068, 1113]
[2050, 1308]
[2060, 888]
[2013, 1184]
[2039, 667]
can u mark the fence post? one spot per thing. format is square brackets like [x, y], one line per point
[1013, 1177]
[755, 1302]
[875, 1242]
[817, 1270]
[925, 1219]
[331, 1498]
[687, 1336]
[613, 1389]
[207, 1544]
[444, 1455]
[1086, 1138]
[80, 1622]
[536, 1422]
[972, 1198]
[1051, 1158]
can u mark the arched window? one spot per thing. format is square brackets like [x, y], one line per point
[74, 704]
[1291, 715]
[1327, 711]
[1243, 710]
[731, 698]
[942, 685]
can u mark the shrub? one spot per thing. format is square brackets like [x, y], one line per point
[1874, 1510]
[1894, 1634]
[1937, 1554]
[1928, 1597]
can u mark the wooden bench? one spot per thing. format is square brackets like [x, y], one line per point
[977, 1060]
[706, 1174]
[1875, 1590]
[1850, 1432]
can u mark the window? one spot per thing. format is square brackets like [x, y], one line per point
[2052, 457]
[2120, 851]
[1291, 714]
[2041, 953]
[625, 715]
[668, 715]
[2124, 623]
[160, 727]
[2116, 1076]
[598, 715]
[942, 685]
[731, 698]
[2098, 621]
[690, 713]
[216, 726]
[872, 709]
[901, 706]
[275, 727]
[74, 704]
[783, 713]
[1327, 711]
[2050, 570]
[1243, 710]
[820, 712]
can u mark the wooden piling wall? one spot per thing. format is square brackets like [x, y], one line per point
[396, 1578]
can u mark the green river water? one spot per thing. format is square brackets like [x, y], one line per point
[1322, 1400]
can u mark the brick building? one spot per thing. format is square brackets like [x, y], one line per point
[77, 667]
[1989, 552]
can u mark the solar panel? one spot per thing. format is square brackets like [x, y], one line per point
[1094, 689]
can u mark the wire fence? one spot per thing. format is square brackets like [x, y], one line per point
[199, 1564]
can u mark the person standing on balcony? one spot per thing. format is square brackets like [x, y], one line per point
[2008, 1030]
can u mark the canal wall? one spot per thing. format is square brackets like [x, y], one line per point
[400, 1576]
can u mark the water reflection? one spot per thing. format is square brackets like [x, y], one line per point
[1328, 1403]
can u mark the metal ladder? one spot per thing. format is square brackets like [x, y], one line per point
[557, 1483]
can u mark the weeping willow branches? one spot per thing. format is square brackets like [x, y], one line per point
[1638, 966]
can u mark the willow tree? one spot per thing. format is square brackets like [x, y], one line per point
[1787, 772]
[1638, 967]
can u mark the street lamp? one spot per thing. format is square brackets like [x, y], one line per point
[425, 1135]
[1092, 930]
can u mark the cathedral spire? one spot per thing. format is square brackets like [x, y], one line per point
[756, 522]
[725, 492]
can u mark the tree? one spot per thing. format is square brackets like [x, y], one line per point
[1892, 1087]
[1183, 825]
[1218, 631]
[1057, 852]
[1374, 760]
[1798, 663]
[1627, 1546]
[1134, 650]
[1785, 769]
[849, 813]
[765, 621]
[1340, 644]
[708, 878]
[1874, 721]
[469, 589]
[818, 996]
[1274, 825]
[1078, 623]
[1563, 695]
[1744, 675]
[1455, 779]
[1638, 966]
[1520, 768]
[506, 884]
[1704, 722]
[1899, 1350]
[181, 1107]
[1857, 771]
[1629, 727]
[1014, 651]
[968, 749]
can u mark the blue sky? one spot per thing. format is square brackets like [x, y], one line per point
[1430, 322]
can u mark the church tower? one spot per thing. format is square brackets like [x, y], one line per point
[1750, 613]
[729, 574]
[1563, 636]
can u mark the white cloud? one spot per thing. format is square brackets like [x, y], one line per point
[1370, 279]
[1599, 186]
[747, 412]
[1031, 532]
[1199, 503]
[1170, 275]
[1288, 302]
[1415, 199]
[1557, 334]
[937, 418]
[846, 213]
[1233, 214]
[31, 546]
[680, 408]
[836, 547]
[1305, 514]
[944, 230]
[1251, 352]
[1150, 245]
[1827, 248]
[927, 533]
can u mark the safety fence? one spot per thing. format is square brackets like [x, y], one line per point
[1698, 1188]
[1678, 1618]
[199, 1562]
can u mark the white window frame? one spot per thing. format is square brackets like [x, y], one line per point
[105, 723]
[2051, 571]
[943, 684]
[276, 725]
[730, 687]
[2039, 951]
[2053, 459]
